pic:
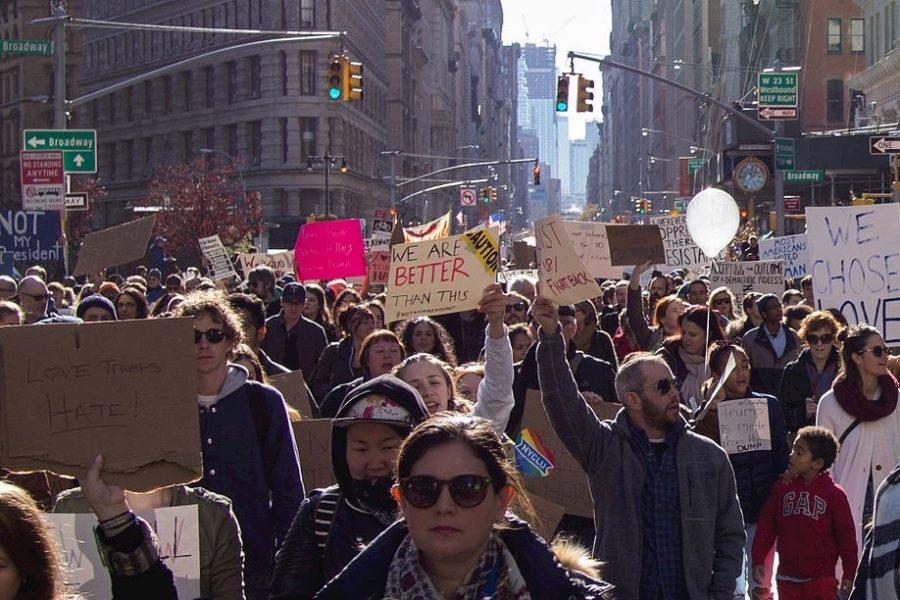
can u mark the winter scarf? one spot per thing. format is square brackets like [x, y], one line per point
[852, 400]
[690, 387]
[496, 576]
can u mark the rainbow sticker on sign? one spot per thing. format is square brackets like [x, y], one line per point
[533, 458]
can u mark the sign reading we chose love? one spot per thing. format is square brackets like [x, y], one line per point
[855, 263]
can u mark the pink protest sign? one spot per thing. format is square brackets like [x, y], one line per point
[330, 249]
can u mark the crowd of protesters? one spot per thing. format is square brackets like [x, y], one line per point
[428, 503]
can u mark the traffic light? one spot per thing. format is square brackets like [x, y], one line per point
[537, 175]
[562, 93]
[648, 206]
[485, 195]
[336, 78]
[353, 81]
[492, 195]
[585, 94]
[639, 206]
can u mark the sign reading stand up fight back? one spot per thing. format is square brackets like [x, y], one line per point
[855, 263]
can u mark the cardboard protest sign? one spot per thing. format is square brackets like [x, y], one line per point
[379, 263]
[31, 236]
[441, 276]
[523, 255]
[563, 276]
[432, 230]
[762, 276]
[293, 388]
[634, 244]
[680, 249]
[792, 249]
[282, 262]
[549, 514]
[744, 425]
[566, 484]
[114, 246]
[855, 264]
[126, 390]
[177, 528]
[313, 438]
[591, 245]
[220, 266]
[329, 249]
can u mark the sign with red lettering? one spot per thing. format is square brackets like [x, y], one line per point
[43, 181]
[329, 250]
[563, 276]
[441, 276]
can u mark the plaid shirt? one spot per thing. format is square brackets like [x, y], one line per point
[662, 569]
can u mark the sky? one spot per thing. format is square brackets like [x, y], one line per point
[572, 25]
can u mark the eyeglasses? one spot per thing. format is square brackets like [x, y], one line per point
[213, 336]
[518, 306]
[38, 297]
[877, 351]
[721, 301]
[423, 491]
[825, 338]
[664, 386]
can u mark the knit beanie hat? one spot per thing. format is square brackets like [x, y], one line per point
[95, 300]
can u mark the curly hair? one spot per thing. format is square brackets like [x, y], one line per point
[143, 310]
[443, 344]
[820, 319]
[214, 305]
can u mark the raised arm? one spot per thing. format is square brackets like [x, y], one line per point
[494, 400]
[634, 310]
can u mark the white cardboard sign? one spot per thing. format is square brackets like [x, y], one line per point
[220, 266]
[744, 425]
[792, 249]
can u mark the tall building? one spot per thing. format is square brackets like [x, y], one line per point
[879, 82]
[563, 158]
[580, 153]
[540, 75]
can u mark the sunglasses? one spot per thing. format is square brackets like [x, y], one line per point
[877, 351]
[664, 386]
[519, 306]
[825, 338]
[423, 491]
[213, 336]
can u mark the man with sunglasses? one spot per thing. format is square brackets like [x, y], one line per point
[666, 510]
[516, 309]
[770, 347]
[34, 298]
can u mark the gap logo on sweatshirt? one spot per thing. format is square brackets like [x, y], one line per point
[533, 458]
[801, 504]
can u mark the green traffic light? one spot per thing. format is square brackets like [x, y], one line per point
[334, 93]
[562, 106]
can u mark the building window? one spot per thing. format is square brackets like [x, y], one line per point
[95, 112]
[308, 73]
[284, 73]
[111, 160]
[283, 127]
[187, 81]
[255, 77]
[308, 134]
[857, 35]
[187, 142]
[209, 76]
[307, 14]
[129, 104]
[233, 140]
[148, 156]
[232, 82]
[209, 137]
[254, 136]
[129, 159]
[167, 94]
[112, 108]
[834, 36]
[835, 100]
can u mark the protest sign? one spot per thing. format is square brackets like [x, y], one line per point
[379, 264]
[71, 392]
[293, 388]
[548, 514]
[374, 243]
[591, 245]
[114, 246]
[792, 249]
[382, 224]
[329, 249]
[563, 276]
[507, 276]
[31, 236]
[282, 262]
[634, 244]
[761, 276]
[432, 230]
[177, 529]
[523, 255]
[681, 251]
[744, 425]
[855, 264]
[313, 437]
[220, 266]
[441, 276]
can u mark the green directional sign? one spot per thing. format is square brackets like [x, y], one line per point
[79, 146]
[784, 154]
[695, 164]
[804, 176]
[777, 90]
[26, 48]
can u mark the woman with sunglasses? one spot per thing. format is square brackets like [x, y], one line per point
[336, 523]
[861, 410]
[722, 300]
[806, 379]
[755, 472]
[456, 539]
[685, 353]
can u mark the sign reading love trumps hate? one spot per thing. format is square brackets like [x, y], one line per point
[330, 250]
[441, 276]
[855, 264]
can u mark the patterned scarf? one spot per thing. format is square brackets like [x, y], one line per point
[496, 576]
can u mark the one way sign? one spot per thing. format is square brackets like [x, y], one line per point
[881, 144]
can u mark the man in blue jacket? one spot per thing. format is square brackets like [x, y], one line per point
[249, 452]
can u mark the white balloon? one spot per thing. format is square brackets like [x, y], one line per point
[712, 220]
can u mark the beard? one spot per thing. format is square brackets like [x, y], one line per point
[657, 417]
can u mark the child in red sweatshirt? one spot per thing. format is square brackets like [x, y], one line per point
[810, 517]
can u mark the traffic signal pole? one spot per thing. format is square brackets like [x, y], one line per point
[59, 110]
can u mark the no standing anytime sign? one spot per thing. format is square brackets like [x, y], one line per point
[43, 181]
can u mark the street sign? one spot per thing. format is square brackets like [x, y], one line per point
[695, 164]
[792, 204]
[43, 180]
[882, 144]
[777, 90]
[76, 201]
[784, 154]
[79, 146]
[804, 176]
[26, 48]
[778, 114]
[468, 196]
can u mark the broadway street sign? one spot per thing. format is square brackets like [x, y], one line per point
[26, 48]
[807, 176]
[79, 146]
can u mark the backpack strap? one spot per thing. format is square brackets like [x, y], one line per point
[324, 517]
[847, 431]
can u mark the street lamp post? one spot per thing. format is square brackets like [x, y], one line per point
[326, 162]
